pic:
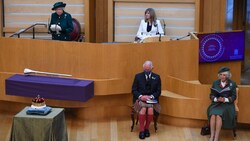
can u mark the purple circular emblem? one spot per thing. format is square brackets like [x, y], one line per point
[212, 48]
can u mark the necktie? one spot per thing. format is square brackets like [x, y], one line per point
[147, 77]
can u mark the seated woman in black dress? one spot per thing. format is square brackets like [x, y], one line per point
[221, 112]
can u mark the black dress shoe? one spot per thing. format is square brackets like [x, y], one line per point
[141, 135]
[147, 133]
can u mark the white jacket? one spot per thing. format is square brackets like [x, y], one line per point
[142, 31]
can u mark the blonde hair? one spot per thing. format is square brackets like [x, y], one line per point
[152, 15]
[227, 73]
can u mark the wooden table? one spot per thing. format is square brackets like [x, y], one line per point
[51, 127]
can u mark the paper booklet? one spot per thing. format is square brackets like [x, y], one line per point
[152, 101]
[219, 92]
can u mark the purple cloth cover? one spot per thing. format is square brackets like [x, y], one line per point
[50, 87]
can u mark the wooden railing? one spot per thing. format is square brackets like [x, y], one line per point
[18, 33]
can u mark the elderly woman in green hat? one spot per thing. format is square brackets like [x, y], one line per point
[221, 112]
[61, 23]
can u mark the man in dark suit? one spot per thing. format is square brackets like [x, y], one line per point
[146, 86]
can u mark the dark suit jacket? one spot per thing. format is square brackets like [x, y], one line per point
[139, 86]
[230, 94]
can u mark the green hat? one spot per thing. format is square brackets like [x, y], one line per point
[223, 69]
[58, 4]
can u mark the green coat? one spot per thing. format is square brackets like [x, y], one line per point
[225, 110]
[65, 21]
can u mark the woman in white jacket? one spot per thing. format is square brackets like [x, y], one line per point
[149, 26]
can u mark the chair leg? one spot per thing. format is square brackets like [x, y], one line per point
[133, 120]
[155, 122]
[234, 132]
[234, 129]
[81, 38]
[137, 119]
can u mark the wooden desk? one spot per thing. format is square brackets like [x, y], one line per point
[156, 39]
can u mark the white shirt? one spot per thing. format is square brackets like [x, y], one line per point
[223, 84]
[142, 32]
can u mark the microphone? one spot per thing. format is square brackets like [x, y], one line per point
[49, 26]
[157, 29]
[183, 37]
[155, 23]
[194, 32]
[160, 38]
[164, 26]
[218, 31]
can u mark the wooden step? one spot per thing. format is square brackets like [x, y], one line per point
[179, 106]
[174, 95]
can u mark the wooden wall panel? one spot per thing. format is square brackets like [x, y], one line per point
[214, 12]
[201, 15]
[101, 8]
[208, 71]
[243, 104]
[110, 20]
[179, 18]
[1, 19]
[21, 14]
[239, 16]
[89, 20]
[197, 16]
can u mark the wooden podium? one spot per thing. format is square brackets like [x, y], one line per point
[156, 39]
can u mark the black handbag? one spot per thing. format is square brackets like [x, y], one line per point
[205, 130]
